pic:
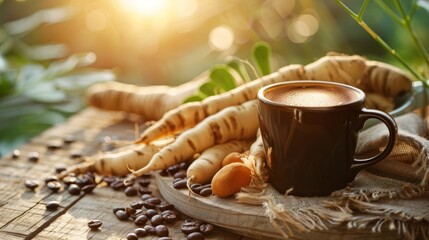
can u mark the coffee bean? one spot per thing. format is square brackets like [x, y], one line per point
[121, 215]
[115, 209]
[73, 189]
[117, 184]
[154, 200]
[69, 139]
[180, 174]
[84, 180]
[149, 229]
[130, 191]
[132, 236]
[52, 205]
[161, 231]
[163, 173]
[144, 190]
[16, 153]
[170, 216]
[130, 210]
[206, 192]
[95, 224]
[54, 145]
[157, 220]
[196, 236]
[33, 156]
[54, 186]
[166, 206]
[146, 196]
[143, 182]
[180, 184]
[150, 213]
[141, 220]
[31, 184]
[75, 154]
[109, 180]
[140, 232]
[196, 188]
[69, 180]
[137, 205]
[173, 169]
[89, 188]
[51, 179]
[206, 228]
[190, 226]
[149, 205]
[184, 165]
[60, 169]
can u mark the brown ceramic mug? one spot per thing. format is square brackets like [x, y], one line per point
[310, 131]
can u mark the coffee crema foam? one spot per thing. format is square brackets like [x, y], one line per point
[311, 96]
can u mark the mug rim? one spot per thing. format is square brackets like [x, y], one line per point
[261, 95]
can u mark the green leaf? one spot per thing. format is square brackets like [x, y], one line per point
[74, 61]
[221, 76]
[423, 4]
[239, 67]
[261, 55]
[193, 98]
[7, 82]
[46, 92]
[208, 89]
[79, 82]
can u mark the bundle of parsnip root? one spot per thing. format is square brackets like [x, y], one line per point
[228, 122]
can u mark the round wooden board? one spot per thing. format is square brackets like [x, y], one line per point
[247, 220]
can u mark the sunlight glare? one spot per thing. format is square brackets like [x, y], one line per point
[221, 38]
[97, 20]
[144, 7]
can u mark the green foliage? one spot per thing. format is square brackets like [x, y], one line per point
[225, 77]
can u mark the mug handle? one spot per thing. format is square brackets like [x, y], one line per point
[359, 164]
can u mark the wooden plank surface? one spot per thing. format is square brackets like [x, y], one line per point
[23, 213]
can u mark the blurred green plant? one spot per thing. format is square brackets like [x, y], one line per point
[403, 18]
[227, 76]
[38, 86]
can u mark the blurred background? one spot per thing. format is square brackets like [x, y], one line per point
[52, 50]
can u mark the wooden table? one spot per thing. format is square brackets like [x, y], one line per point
[23, 213]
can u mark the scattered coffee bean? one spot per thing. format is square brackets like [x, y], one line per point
[54, 186]
[73, 189]
[60, 169]
[89, 188]
[130, 210]
[31, 184]
[144, 182]
[170, 216]
[117, 184]
[132, 236]
[109, 180]
[121, 215]
[180, 184]
[54, 145]
[146, 196]
[166, 206]
[184, 165]
[157, 220]
[130, 191]
[206, 228]
[149, 205]
[173, 169]
[75, 154]
[137, 205]
[190, 226]
[154, 200]
[150, 213]
[180, 174]
[33, 156]
[84, 180]
[206, 192]
[69, 139]
[144, 190]
[95, 224]
[140, 232]
[161, 231]
[52, 205]
[149, 229]
[163, 173]
[69, 180]
[115, 209]
[51, 179]
[141, 220]
[16, 153]
[196, 236]
[196, 188]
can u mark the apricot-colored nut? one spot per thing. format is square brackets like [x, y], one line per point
[230, 179]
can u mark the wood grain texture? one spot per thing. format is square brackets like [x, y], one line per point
[23, 213]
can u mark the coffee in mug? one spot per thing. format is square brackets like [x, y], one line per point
[310, 131]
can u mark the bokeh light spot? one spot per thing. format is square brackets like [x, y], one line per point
[144, 7]
[97, 20]
[221, 38]
[186, 8]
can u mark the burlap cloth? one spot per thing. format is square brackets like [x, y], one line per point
[389, 196]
